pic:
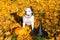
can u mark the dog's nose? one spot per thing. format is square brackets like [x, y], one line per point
[27, 15]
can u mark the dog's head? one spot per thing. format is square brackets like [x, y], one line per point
[28, 11]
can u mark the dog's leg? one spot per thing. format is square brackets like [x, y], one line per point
[23, 24]
[32, 25]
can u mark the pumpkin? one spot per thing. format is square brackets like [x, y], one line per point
[22, 31]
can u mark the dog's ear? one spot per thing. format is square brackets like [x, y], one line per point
[31, 8]
[25, 10]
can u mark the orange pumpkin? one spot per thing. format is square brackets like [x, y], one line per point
[22, 31]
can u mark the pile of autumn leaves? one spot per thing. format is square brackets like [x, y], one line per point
[46, 10]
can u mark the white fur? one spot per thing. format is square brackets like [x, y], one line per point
[28, 18]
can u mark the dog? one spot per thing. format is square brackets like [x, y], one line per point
[28, 18]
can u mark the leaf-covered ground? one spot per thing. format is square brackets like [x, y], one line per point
[46, 10]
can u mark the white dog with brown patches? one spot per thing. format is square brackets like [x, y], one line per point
[28, 18]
